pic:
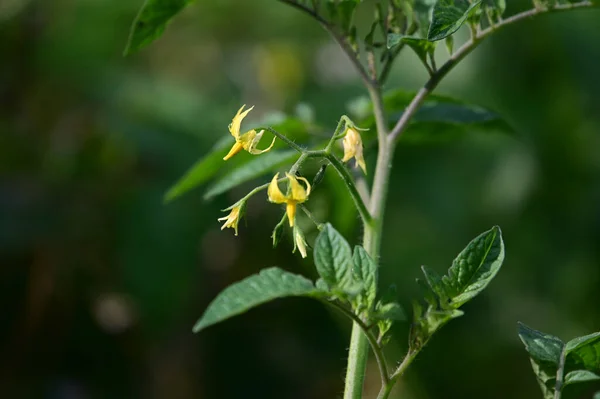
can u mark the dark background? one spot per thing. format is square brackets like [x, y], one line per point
[100, 282]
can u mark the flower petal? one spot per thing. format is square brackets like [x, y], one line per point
[298, 193]
[234, 127]
[252, 148]
[237, 147]
[274, 193]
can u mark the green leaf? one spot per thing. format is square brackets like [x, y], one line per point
[545, 352]
[449, 16]
[365, 273]
[346, 13]
[597, 395]
[333, 258]
[544, 348]
[256, 167]
[389, 311]
[435, 283]
[474, 267]
[423, 14]
[201, 171]
[584, 352]
[422, 47]
[151, 22]
[436, 319]
[577, 376]
[440, 118]
[269, 284]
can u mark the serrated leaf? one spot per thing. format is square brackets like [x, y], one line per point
[151, 22]
[544, 351]
[579, 376]
[204, 169]
[365, 272]
[256, 167]
[474, 267]
[584, 352]
[449, 16]
[333, 258]
[269, 284]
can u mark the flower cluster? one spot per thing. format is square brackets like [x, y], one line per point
[297, 189]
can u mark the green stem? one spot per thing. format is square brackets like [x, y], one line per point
[465, 50]
[386, 389]
[349, 182]
[366, 331]
[358, 352]
[560, 374]
[283, 138]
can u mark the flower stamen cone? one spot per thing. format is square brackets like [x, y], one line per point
[247, 141]
[353, 148]
[296, 194]
[233, 218]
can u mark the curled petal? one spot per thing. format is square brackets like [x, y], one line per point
[254, 143]
[232, 219]
[274, 193]
[298, 193]
[234, 127]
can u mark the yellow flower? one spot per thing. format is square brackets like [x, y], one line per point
[233, 218]
[353, 148]
[299, 242]
[247, 141]
[296, 194]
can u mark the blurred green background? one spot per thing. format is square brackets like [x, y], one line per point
[100, 282]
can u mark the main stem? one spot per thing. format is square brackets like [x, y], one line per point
[359, 346]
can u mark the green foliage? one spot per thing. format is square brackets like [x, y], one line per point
[333, 259]
[365, 273]
[449, 16]
[423, 13]
[204, 169]
[269, 284]
[470, 273]
[495, 7]
[422, 47]
[440, 119]
[256, 167]
[577, 376]
[544, 352]
[248, 167]
[342, 12]
[151, 22]
[474, 268]
[584, 352]
[574, 362]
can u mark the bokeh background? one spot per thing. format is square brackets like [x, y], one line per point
[101, 282]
